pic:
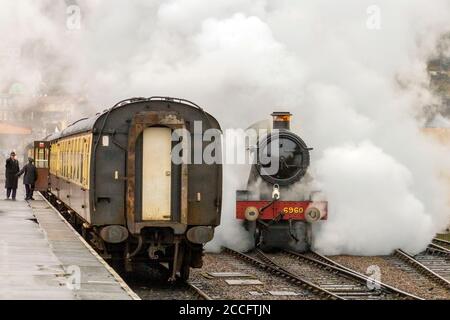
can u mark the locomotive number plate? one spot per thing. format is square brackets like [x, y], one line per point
[293, 210]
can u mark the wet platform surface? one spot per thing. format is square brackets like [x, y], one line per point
[42, 257]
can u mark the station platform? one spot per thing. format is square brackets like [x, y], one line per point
[42, 257]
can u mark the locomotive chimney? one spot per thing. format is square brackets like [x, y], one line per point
[281, 120]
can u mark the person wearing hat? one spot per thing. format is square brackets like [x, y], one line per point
[29, 178]
[12, 168]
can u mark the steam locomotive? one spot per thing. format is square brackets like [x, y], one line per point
[278, 207]
[113, 177]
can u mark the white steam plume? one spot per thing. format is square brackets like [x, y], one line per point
[355, 90]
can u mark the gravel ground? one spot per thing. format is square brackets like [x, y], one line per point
[397, 274]
[217, 288]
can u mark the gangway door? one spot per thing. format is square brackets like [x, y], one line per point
[41, 154]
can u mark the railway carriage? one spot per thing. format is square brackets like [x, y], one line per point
[113, 177]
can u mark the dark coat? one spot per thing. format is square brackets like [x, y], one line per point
[30, 174]
[12, 168]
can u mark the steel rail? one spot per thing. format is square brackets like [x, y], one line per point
[442, 242]
[435, 248]
[199, 292]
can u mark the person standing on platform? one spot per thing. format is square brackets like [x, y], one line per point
[12, 168]
[29, 178]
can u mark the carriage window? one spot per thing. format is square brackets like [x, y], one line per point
[53, 159]
[69, 159]
[64, 159]
[77, 160]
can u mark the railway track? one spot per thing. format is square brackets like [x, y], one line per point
[164, 291]
[398, 270]
[202, 295]
[232, 275]
[441, 244]
[150, 283]
[433, 263]
[264, 263]
[341, 280]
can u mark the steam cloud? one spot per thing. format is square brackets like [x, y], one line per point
[356, 91]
